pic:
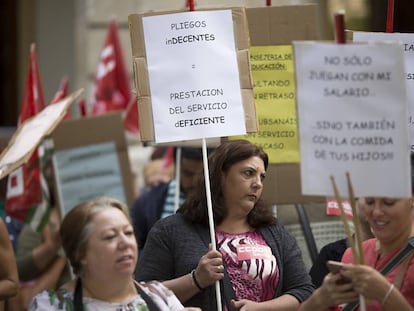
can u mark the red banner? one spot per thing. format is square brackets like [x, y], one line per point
[112, 84]
[23, 184]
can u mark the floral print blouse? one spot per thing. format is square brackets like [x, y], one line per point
[163, 297]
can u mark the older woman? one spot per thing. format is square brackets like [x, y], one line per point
[262, 260]
[99, 241]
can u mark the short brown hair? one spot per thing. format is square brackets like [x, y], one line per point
[75, 229]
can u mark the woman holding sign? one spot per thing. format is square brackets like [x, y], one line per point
[257, 260]
[386, 280]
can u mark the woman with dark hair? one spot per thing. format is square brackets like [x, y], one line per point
[261, 260]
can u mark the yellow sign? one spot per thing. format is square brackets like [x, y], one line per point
[273, 75]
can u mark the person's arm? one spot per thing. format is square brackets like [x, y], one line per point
[46, 253]
[161, 257]
[331, 293]
[35, 251]
[392, 300]
[204, 275]
[371, 284]
[284, 302]
[9, 280]
[47, 280]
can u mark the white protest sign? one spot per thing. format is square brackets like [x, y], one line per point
[29, 134]
[407, 44]
[194, 76]
[352, 113]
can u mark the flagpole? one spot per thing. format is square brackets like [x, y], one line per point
[177, 178]
[341, 39]
[210, 216]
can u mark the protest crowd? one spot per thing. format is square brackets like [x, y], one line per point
[295, 191]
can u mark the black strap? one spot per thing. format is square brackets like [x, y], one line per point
[78, 297]
[150, 303]
[227, 290]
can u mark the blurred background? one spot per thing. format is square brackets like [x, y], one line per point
[69, 36]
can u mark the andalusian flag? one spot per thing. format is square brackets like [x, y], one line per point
[27, 197]
[38, 216]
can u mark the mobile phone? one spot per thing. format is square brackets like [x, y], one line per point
[334, 267]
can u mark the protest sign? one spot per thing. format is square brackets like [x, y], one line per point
[270, 27]
[407, 45]
[274, 93]
[192, 75]
[352, 112]
[91, 160]
[85, 173]
[31, 132]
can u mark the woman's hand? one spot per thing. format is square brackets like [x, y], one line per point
[336, 290]
[366, 281]
[245, 305]
[210, 268]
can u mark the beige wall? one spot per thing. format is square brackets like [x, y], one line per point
[76, 34]
[70, 34]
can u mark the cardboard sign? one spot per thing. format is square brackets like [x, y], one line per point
[31, 133]
[407, 45]
[278, 25]
[274, 93]
[91, 160]
[352, 111]
[192, 74]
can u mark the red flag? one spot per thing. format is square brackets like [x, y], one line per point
[168, 157]
[131, 122]
[23, 189]
[61, 93]
[82, 107]
[23, 184]
[112, 85]
[33, 98]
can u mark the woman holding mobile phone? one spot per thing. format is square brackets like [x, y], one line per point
[386, 280]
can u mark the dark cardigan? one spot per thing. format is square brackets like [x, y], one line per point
[174, 247]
